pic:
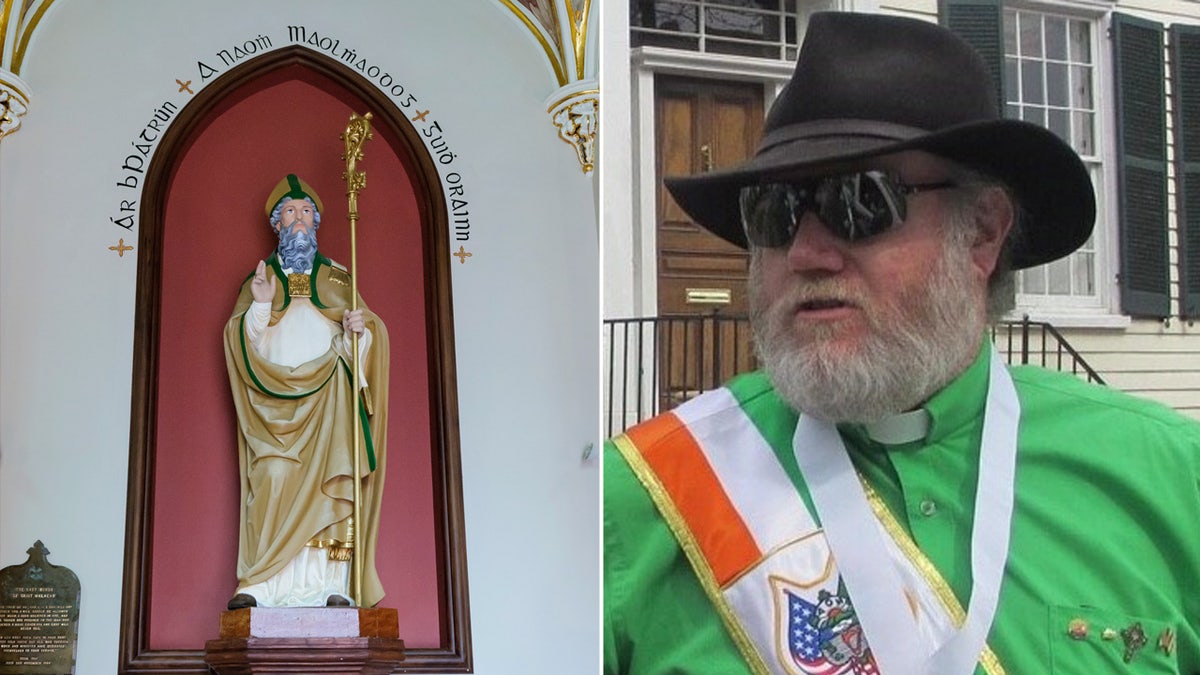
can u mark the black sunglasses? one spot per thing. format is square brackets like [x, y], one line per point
[854, 206]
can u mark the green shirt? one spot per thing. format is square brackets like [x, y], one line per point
[1105, 531]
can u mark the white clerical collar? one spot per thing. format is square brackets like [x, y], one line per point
[901, 428]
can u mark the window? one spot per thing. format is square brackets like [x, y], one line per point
[1050, 79]
[759, 28]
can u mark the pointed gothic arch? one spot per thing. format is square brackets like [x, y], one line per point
[149, 501]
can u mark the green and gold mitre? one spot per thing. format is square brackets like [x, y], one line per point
[292, 187]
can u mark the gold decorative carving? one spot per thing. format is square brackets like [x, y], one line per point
[299, 285]
[14, 102]
[577, 116]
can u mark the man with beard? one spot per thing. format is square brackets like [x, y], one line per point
[887, 496]
[288, 352]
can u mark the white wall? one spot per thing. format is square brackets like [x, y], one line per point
[617, 157]
[525, 304]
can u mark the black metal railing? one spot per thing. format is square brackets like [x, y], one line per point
[656, 363]
[1038, 343]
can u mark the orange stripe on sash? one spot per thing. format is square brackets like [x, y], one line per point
[669, 447]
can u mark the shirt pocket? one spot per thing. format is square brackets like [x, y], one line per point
[1089, 640]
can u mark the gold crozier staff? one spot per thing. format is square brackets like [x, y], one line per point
[357, 133]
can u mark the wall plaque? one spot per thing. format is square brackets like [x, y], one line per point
[39, 617]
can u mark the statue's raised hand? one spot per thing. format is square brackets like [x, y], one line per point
[262, 288]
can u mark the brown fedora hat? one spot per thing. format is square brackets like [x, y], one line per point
[867, 85]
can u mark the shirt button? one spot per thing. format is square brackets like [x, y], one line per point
[928, 508]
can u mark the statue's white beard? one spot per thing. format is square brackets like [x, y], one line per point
[913, 347]
[297, 248]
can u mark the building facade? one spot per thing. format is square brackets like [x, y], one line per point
[1116, 78]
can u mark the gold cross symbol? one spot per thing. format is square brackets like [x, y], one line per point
[184, 85]
[421, 116]
[120, 248]
[461, 254]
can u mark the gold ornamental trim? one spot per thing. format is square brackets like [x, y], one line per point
[5, 12]
[14, 86]
[336, 550]
[579, 30]
[27, 32]
[586, 93]
[551, 54]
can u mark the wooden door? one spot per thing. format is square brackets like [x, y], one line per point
[701, 125]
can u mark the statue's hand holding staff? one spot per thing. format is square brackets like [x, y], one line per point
[352, 321]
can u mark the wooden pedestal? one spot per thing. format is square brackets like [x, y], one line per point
[306, 640]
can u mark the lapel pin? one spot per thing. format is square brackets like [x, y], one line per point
[1135, 638]
[1166, 641]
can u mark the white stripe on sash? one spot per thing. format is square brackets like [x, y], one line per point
[748, 469]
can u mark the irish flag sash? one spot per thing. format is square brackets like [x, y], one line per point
[758, 552]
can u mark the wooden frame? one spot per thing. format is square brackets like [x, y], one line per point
[454, 652]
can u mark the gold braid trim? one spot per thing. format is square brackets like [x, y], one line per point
[338, 551]
[987, 658]
[691, 548]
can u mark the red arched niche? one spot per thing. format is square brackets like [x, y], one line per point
[210, 233]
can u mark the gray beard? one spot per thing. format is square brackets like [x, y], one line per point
[913, 347]
[297, 249]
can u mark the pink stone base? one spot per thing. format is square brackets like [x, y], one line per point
[309, 622]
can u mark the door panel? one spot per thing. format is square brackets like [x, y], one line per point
[702, 125]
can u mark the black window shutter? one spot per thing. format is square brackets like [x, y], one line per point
[1141, 165]
[981, 24]
[1185, 83]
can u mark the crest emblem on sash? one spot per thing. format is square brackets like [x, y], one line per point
[820, 635]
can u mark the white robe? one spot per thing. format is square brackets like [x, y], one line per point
[301, 335]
